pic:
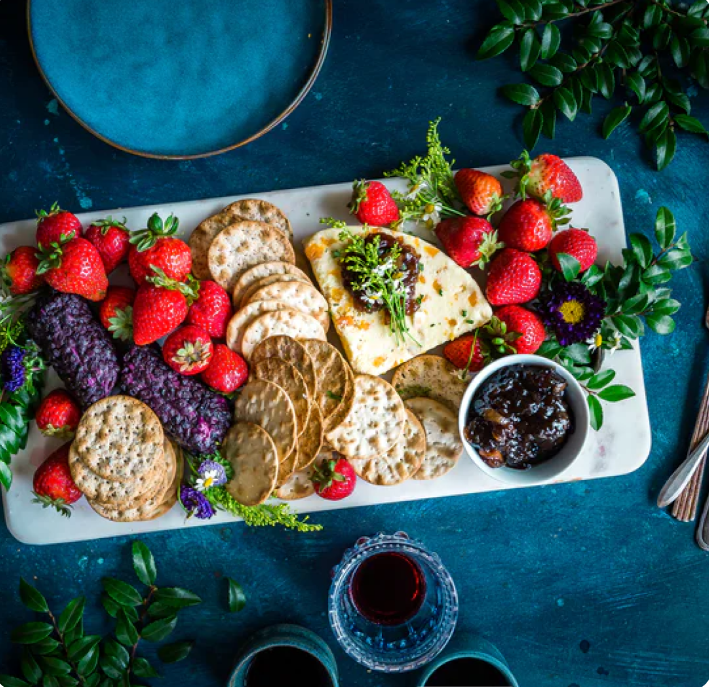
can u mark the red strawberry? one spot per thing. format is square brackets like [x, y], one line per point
[188, 350]
[527, 226]
[334, 479]
[56, 226]
[112, 241]
[513, 278]
[156, 247]
[525, 324]
[546, 177]
[578, 244]
[372, 204]
[227, 371]
[212, 309]
[75, 267]
[116, 311]
[20, 271]
[481, 192]
[160, 307]
[58, 415]
[468, 353]
[470, 241]
[53, 485]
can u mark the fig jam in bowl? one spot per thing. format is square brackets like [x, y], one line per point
[524, 420]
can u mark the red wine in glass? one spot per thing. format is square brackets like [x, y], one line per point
[388, 588]
[286, 666]
[467, 672]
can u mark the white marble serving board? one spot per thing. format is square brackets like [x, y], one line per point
[622, 445]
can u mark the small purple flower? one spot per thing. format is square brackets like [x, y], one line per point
[12, 368]
[195, 503]
[211, 474]
[572, 312]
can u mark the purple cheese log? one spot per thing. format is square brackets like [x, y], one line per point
[194, 416]
[75, 344]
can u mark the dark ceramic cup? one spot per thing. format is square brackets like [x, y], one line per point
[278, 636]
[474, 648]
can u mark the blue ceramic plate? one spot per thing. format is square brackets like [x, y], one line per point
[179, 78]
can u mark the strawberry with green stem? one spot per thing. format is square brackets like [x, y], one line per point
[334, 479]
[53, 484]
[74, 267]
[156, 246]
[116, 312]
[112, 240]
[56, 226]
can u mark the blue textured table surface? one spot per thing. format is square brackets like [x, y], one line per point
[585, 584]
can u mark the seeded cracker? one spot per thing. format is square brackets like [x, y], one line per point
[290, 323]
[443, 444]
[253, 455]
[431, 376]
[374, 424]
[261, 211]
[332, 378]
[265, 281]
[245, 316]
[261, 271]
[291, 381]
[292, 352]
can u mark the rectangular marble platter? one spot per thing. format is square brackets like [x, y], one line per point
[621, 446]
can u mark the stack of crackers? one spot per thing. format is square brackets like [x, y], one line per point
[122, 461]
[247, 249]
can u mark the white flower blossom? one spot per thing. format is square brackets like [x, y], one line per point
[207, 480]
[418, 187]
[432, 214]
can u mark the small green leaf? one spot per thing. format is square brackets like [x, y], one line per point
[599, 380]
[667, 306]
[680, 49]
[636, 304]
[532, 127]
[176, 597]
[142, 668]
[89, 662]
[172, 653]
[564, 62]
[546, 75]
[45, 647]
[71, 615]
[636, 83]
[570, 266]
[498, 40]
[81, 647]
[642, 249]
[606, 80]
[121, 592]
[521, 93]
[691, 124]
[615, 118]
[512, 10]
[54, 666]
[29, 666]
[144, 564]
[31, 633]
[237, 598]
[615, 393]
[596, 412]
[159, 609]
[699, 38]
[579, 353]
[158, 629]
[528, 50]
[629, 325]
[655, 115]
[665, 227]
[565, 101]
[50, 681]
[676, 259]
[5, 476]
[32, 598]
[660, 324]
[126, 633]
[666, 148]
[117, 653]
[656, 274]
[9, 681]
[549, 118]
[551, 40]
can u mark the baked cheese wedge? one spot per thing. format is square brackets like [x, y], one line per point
[451, 303]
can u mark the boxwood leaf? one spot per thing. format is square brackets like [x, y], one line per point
[121, 592]
[528, 50]
[546, 75]
[9, 681]
[29, 666]
[596, 412]
[570, 266]
[177, 597]
[691, 124]
[54, 666]
[667, 306]
[615, 393]
[126, 633]
[565, 101]
[599, 380]
[45, 647]
[237, 598]
[551, 40]
[142, 668]
[144, 564]
[636, 83]
[31, 633]
[172, 653]
[655, 116]
[615, 118]
[521, 93]
[661, 324]
[32, 598]
[71, 615]
[642, 249]
[532, 127]
[498, 40]
[665, 227]
[666, 148]
[159, 629]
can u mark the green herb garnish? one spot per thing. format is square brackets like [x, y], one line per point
[378, 278]
[413, 391]
[333, 396]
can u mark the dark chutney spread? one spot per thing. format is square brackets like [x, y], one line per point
[397, 261]
[520, 417]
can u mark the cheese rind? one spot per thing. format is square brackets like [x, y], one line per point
[452, 304]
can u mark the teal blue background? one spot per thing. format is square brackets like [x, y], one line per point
[583, 584]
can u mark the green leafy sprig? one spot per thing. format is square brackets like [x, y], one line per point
[432, 192]
[57, 652]
[636, 47]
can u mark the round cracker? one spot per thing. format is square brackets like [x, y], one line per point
[201, 239]
[245, 316]
[173, 490]
[292, 323]
[431, 376]
[374, 424]
[341, 412]
[311, 440]
[243, 245]
[265, 281]
[110, 491]
[400, 462]
[254, 457]
[332, 377]
[297, 486]
[293, 352]
[119, 438]
[261, 271]
[140, 510]
[261, 211]
[291, 381]
[443, 444]
[267, 405]
[299, 295]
